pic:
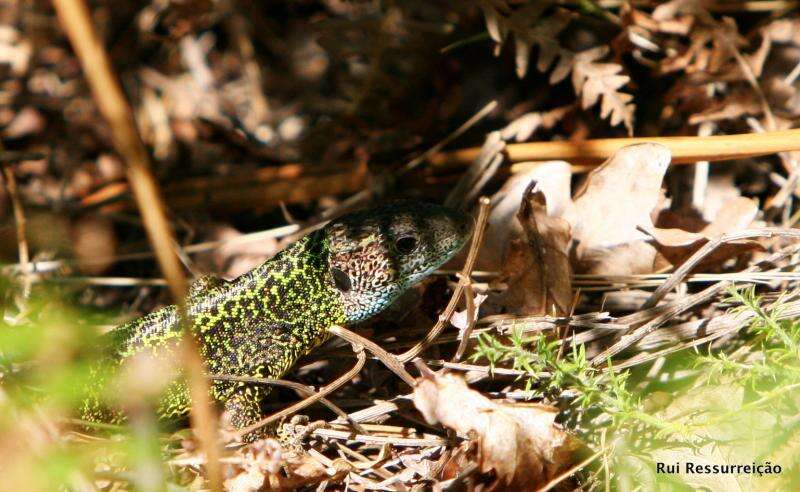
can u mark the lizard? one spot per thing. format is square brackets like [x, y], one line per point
[261, 323]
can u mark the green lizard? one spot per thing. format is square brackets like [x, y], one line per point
[260, 324]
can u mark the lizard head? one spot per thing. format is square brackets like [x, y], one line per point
[378, 253]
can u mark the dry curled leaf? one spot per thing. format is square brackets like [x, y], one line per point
[615, 201]
[677, 245]
[536, 269]
[521, 443]
[264, 465]
[260, 459]
[554, 180]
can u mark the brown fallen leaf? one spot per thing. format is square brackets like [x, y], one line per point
[615, 201]
[677, 245]
[591, 78]
[536, 269]
[260, 459]
[258, 466]
[553, 179]
[520, 442]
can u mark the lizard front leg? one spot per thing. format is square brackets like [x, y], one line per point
[244, 409]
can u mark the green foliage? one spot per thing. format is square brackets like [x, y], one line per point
[738, 406]
[549, 373]
[48, 362]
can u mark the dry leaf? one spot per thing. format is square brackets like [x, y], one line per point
[260, 459]
[616, 199]
[554, 180]
[521, 443]
[593, 80]
[479, 172]
[529, 30]
[462, 319]
[677, 245]
[720, 190]
[258, 466]
[536, 269]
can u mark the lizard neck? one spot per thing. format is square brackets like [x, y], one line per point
[294, 286]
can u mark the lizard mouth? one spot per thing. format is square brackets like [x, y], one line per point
[463, 226]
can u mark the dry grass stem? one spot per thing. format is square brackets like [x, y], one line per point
[554, 482]
[323, 392]
[685, 150]
[112, 104]
[668, 312]
[75, 18]
[703, 252]
[303, 389]
[19, 221]
[362, 196]
[389, 360]
[427, 440]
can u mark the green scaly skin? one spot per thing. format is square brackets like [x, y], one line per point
[260, 324]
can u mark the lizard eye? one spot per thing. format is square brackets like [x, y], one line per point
[341, 280]
[406, 244]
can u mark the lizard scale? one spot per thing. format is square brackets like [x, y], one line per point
[261, 323]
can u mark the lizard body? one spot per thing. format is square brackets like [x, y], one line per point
[261, 323]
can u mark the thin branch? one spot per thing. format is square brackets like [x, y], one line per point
[685, 150]
[684, 303]
[563, 476]
[706, 250]
[19, 220]
[300, 388]
[75, 18]
[471, 318]
[424, 442]
[477, 238]
[323, 392]
[363, 195]
[112, 104]
[389, 360]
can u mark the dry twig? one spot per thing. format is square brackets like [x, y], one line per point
[703, 252]
[685, 150]
[323, 392]
[75, 18]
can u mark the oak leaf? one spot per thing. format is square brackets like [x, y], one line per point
[614, 203]
[521, 443]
